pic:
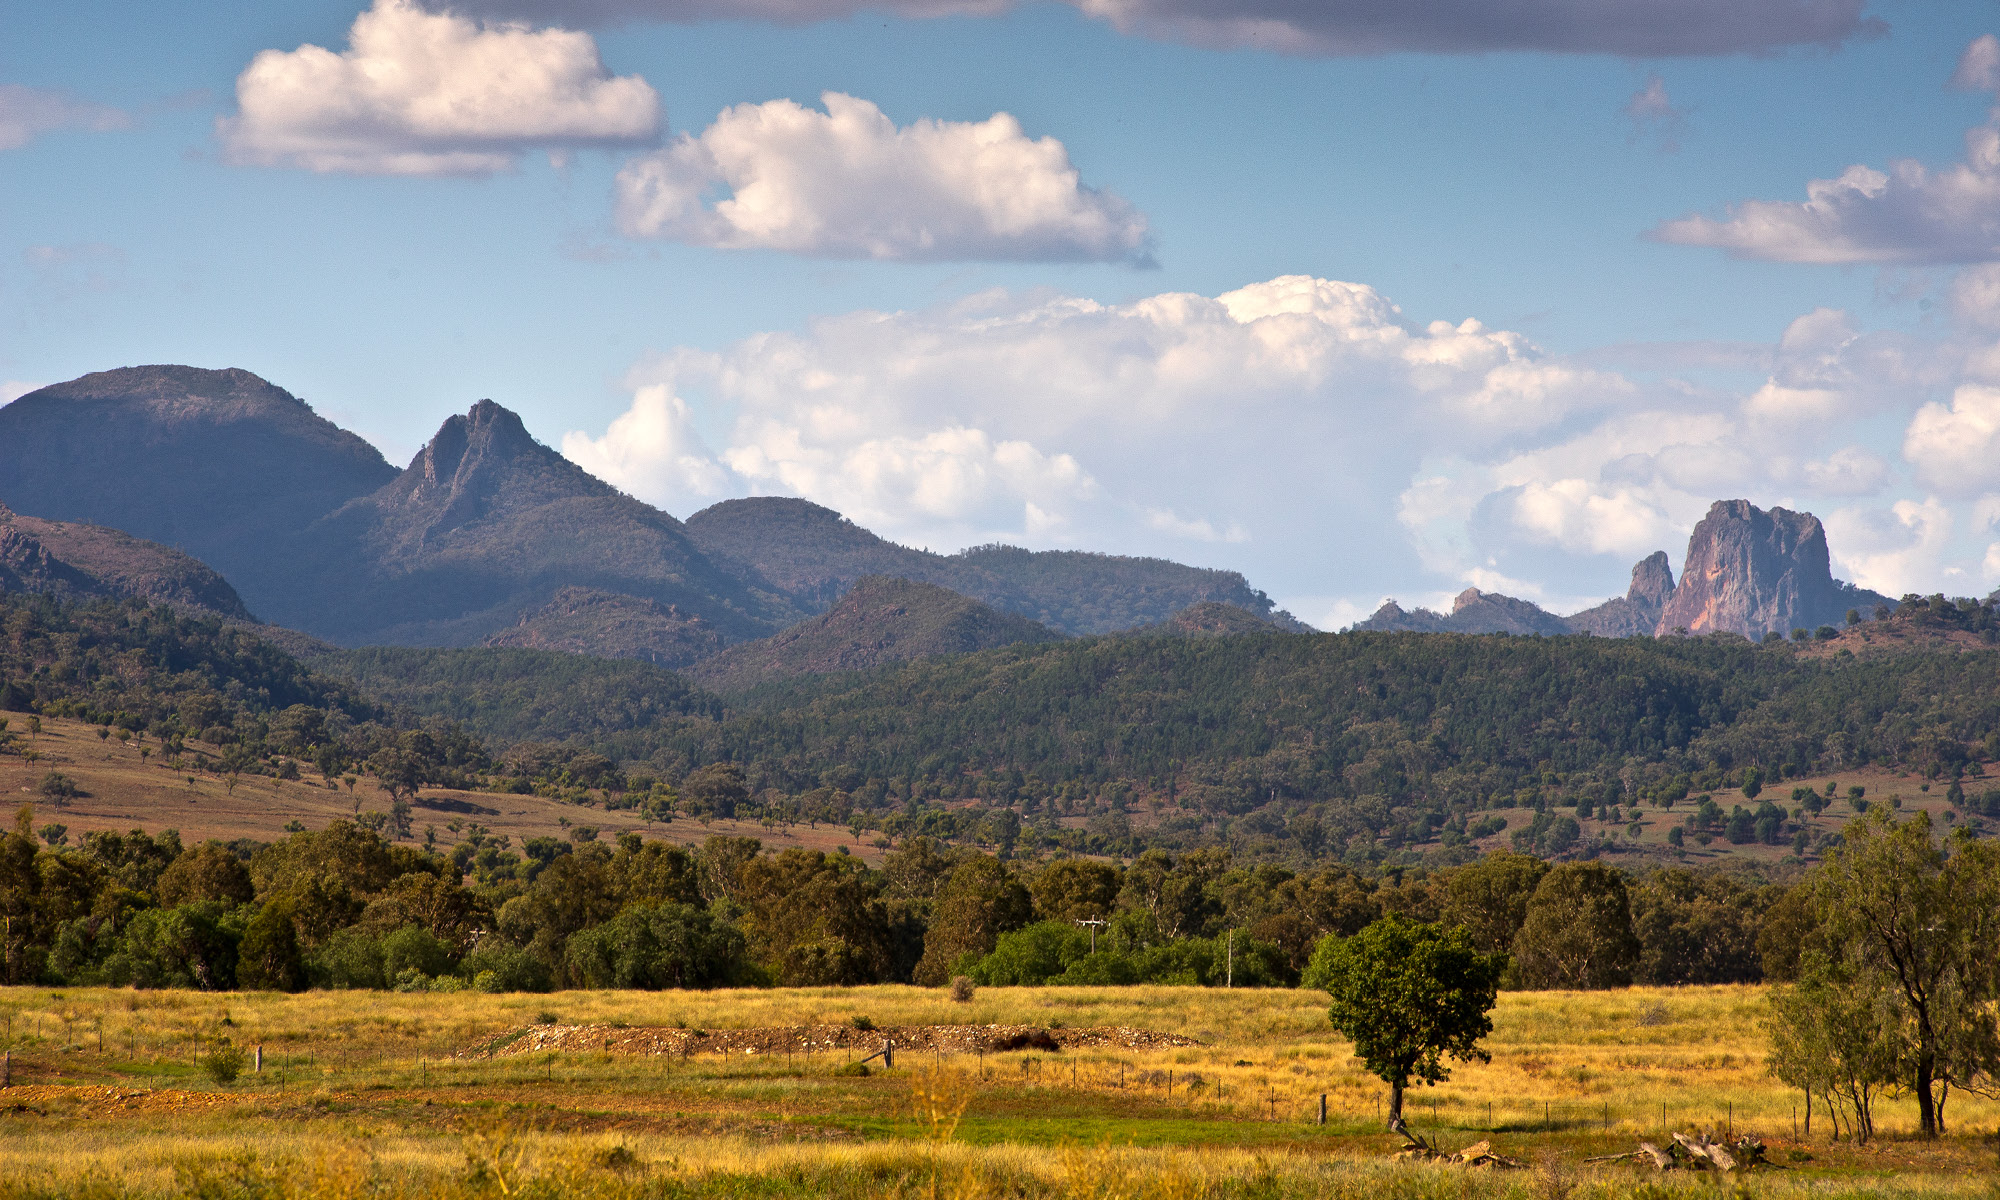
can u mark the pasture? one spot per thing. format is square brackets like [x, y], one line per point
[391, 1095]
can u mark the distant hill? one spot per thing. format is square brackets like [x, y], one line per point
[219, 464]
[523, 695]
[813, 555]
[1472, 611]
[610, 625]
[1212, 618]
[880, 620]
[482, 537]
[74, 561]
[1748, 571]
[486, 524]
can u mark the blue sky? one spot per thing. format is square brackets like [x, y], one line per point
[940, 332]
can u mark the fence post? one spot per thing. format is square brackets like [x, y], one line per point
[7, 1070]
[260, 1061]
[1322, 1108]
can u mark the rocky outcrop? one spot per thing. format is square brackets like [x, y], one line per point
[1753, 571]
[1637, 612]
[1472, 611]
[487, 523]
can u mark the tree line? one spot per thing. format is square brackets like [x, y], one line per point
[346, 907]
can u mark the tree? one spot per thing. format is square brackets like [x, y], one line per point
[981, 901]
[1832, 1038]
[1073, 889]
[268, 957]
[1579, 930]
[1408, 995]
[1490, 898]
[210, 871]
[1914, 923]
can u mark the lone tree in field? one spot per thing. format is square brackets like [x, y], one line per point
[1407, 994]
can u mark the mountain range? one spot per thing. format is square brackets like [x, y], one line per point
[1748, 571]
[490, 537]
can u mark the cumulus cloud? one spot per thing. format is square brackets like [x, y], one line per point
[1634, 28]
[420, 93]
[1955, 447]
[1311, 434]
[1909, 213]
[27, 113]
[1215, 428]
[848, 183]
[1897, 551]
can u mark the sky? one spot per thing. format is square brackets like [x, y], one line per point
[1362, 298]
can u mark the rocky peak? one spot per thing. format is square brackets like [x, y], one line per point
[1638, 610]
[483, 463]
[1753, 571]
[1652, 581]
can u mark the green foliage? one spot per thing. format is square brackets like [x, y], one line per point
[661, 945]
[525, 695]
[1578, 931]
[1911, 923]
[1409, 995]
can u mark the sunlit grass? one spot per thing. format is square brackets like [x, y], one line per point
[109, 1086]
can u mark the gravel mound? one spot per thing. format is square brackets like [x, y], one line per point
[803, 1039]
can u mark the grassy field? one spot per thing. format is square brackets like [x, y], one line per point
[389, 1095]
[127, 789]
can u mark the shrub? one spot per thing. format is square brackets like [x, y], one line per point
[224, 1063]
[495, 966]
[961, 989]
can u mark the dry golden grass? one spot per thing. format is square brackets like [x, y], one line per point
[375, 1081]
[127, 789]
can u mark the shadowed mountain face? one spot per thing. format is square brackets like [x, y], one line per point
[76, 562]
[1752, 571]
[486, 524]
[217, 463]
[880, 620]
[813, 554]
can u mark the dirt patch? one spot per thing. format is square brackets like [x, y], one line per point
[802, 1039]
[104, 1100]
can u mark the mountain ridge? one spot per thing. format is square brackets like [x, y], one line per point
[1748, 571]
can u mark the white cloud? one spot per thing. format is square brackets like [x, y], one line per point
[1955, 448]
[1306, 432]
[1635, 28]
[656, 435]
[847, 183]
[418, 93]
[1849, 471]
[26, 113]
[1894, 552]
[1177, 424]
[1979, 67]
[1907, 214]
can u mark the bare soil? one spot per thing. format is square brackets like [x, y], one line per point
[803, 1039]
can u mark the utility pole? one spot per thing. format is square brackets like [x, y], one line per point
[1229, 980]
[1093, 924]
